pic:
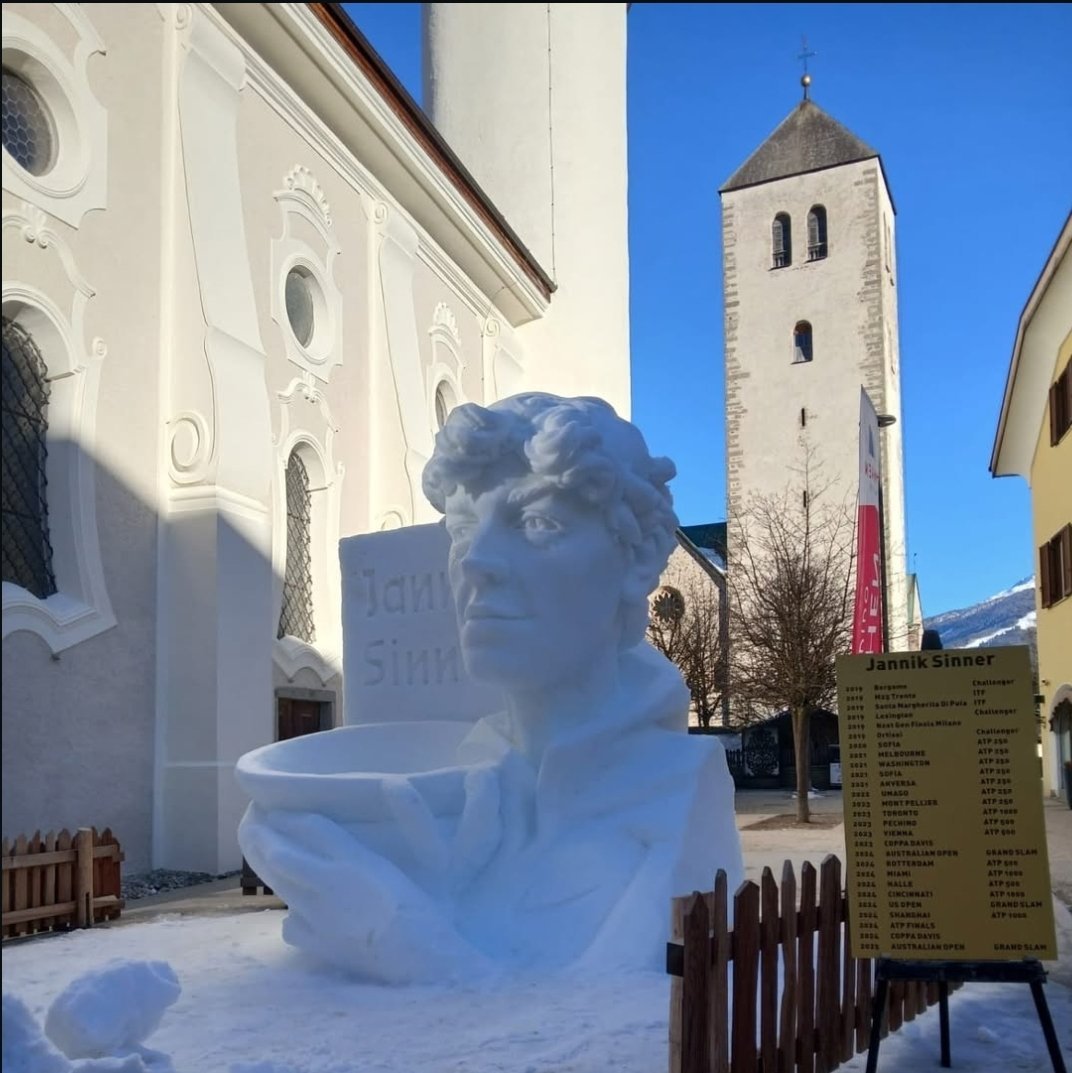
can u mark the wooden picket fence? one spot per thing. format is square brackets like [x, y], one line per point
[781, 992]
[60, 881]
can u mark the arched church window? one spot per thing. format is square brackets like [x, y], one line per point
[781, 241]
[444, 403]
[802, 342]
[27, 552]
[296, 616]
[816, 233]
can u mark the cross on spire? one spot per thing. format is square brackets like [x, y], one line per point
[804, 55]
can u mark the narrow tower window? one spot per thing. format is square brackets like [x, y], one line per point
[802, 342]
[781, 241]
[27, 552]
[816, 233]
[296, 616]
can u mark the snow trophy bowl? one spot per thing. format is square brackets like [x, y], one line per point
[341, 773]
[553, 832]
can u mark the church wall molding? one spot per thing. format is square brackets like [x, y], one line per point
[76, 181]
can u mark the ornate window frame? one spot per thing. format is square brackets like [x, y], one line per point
[303, 199]
[290, 654]
[80, 608]
[77, 181]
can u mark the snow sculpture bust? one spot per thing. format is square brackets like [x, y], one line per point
[557, 830]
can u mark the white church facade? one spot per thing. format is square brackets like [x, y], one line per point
[244, 278]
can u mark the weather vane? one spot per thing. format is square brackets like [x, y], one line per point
[804, 55]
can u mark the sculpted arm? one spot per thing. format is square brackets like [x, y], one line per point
[351, 906]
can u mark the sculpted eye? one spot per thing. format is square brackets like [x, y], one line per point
[459, 532]
[540, 523]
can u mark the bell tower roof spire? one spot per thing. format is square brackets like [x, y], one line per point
[804, 55]
[806, 140]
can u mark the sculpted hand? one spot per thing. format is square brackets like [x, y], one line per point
[451, 863]
[351, 906]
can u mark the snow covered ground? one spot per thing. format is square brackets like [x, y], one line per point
[250, 1004]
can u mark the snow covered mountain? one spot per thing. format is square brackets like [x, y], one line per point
[1005, 619]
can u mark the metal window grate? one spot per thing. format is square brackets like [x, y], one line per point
[296, 617]
[27, 553]
[28, 131]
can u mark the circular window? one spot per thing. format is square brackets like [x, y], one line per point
[444, 403]
[29, 132]
[301, 305]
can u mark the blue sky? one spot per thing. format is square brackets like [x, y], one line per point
[970, 106]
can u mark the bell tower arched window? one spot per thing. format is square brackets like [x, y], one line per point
[781, 241]
[27, 552]
[296, 615]
[816, 233]
[802, 342]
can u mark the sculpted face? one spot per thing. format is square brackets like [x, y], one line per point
[538, 580]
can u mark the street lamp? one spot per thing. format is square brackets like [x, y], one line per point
[884, 421]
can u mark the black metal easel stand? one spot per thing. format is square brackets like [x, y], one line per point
[1029, 971]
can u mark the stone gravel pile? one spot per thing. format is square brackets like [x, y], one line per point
[162, 880]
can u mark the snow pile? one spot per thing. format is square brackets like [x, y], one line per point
[250, 1004]
[25, 1050]
[113, 1009]
[99, 1020]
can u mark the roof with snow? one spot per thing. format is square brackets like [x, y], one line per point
[806, 140]
[709, 538]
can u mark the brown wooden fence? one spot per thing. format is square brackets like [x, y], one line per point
[60, 881]
[781, 992]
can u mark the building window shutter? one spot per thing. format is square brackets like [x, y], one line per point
[1065, 553]
[1061, 405]
[1044, 574]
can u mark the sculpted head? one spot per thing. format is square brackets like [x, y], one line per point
[560, 522]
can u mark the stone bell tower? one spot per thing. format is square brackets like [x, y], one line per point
[810, 290]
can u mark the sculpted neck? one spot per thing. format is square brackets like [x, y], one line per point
[541, 715]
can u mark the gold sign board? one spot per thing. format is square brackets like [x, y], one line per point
[943, 806]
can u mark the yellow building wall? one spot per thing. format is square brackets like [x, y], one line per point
[1051, 508]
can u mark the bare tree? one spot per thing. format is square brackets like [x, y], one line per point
[791, 599]
[686, 627]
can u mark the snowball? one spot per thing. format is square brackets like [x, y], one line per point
[111, 1010]
[25, 1049]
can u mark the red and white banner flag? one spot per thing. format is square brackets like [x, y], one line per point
[867, 628]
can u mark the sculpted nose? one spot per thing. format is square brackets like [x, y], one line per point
[482, 556]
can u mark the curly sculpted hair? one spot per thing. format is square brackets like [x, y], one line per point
[580, 446]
